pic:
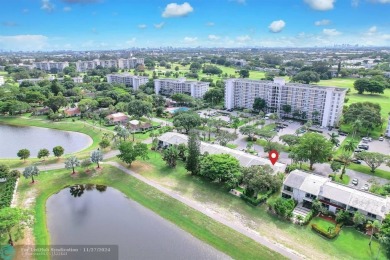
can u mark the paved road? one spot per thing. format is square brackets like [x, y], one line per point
[197, 206]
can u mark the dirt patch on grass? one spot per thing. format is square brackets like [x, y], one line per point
[141, 167]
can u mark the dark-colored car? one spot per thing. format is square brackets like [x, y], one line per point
[357, 161]
[363, 146]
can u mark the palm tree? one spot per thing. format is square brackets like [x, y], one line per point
[333, 139]
[349, 146]
[356, 126]
[375, 226]
[346, 159]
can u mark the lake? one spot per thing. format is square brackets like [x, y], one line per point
[14, 138]
[100, 215]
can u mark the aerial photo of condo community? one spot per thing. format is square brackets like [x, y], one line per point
[229, 129]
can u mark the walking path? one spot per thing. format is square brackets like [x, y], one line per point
[289, 253]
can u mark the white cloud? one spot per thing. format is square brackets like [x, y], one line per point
[321, 5]
[142, 26]
[373, 29]
[213, 37]
[277, 26]
[47, 6]
[177, 10]
[67, 9]
[322, 22]
[243, 38]
[210, 24]
[190, 39]
[131, 41]
[331, 32]
[159, 25]
[23, 42]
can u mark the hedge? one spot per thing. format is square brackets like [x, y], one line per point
[253, 201]
[325, 233]
[6, 195]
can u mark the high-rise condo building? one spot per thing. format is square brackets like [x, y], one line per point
[127, 79]
[168, 87]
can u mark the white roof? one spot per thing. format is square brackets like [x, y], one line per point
[313, 183]
[134, 122]
[245, 159]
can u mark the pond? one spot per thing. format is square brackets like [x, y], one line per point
[14, 138]
[99, 215]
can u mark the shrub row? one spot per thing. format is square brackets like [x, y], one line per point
[325, 233]
[308, 217]
[8, 191]
[255, 201]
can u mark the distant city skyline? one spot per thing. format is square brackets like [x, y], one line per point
[44, 25]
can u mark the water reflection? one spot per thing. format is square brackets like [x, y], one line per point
[78, 189]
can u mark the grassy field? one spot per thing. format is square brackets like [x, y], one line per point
[199, 225]
[302, 239]
[322, 223]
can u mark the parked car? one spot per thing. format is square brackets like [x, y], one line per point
[291, 121]
[381, 139]
[355, 181]
[365, 187]
[357, 161]
[368, 139]
[358, 150]
[363, 146]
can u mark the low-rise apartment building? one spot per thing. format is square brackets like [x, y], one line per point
[305, 187]
[168, 87]
[130, 63]
[323, 105]
[51, 65]
[128, 80]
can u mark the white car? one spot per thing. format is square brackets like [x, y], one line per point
[365, 187]
[380, 139]
[355, 181]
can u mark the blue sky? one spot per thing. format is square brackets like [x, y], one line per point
[118, 24]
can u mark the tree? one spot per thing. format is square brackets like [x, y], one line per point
[369, 114]
[374, 226]
[342, 216]
[259, 104]
[360, 85]
[187, 120]
[121, 132]
[244, 73]
[260, 178]
[358, 218]
[31, 171]
[96, 157]
[306, 77]
[58, 151]
[349, 146]
[14, 221]
[283, 207]
[23, 154]
[43, 153]
[129, 152]
[104, 143]
[193, 158]
[333, 139]
[290, 140]
[170, 156]
[224, 137]
[235, 122]
[71, 163]
[346, 159]
[373, 160]
[312, 147]
[56, 102]
[214, 96]
[140, 108]
[248, 130]
[286, 109]
[384, 235]
[222, 168]
[335, 166]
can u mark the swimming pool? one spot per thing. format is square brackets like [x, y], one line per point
[173, 110]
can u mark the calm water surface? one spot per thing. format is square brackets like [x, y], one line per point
[97, 215]
[14, 138]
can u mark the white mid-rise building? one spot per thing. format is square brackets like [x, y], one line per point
[51, 65]
[319, 104]
[127, 79]
[388, 128]
[2, 81]
[130, 63]
[168, 87]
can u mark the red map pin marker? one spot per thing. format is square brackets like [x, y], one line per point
[273, 156]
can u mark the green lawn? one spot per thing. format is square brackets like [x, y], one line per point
[302, 239]
[344, 181]
[199, 225]
[367, 170]
[322, 223]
